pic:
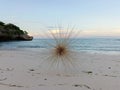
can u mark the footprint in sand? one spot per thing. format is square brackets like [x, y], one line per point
[80, 85]
[11, 85]
[2, 79]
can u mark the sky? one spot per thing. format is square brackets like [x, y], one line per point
[90, 17]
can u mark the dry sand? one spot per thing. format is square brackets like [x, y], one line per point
[19, 70]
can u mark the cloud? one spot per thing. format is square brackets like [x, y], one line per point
[81, 33]
[54, 27]
[109, 32]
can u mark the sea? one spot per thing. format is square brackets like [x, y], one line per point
[90, 45]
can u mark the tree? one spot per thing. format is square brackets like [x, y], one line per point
[2, 23]
[25, 32]
[11, 26]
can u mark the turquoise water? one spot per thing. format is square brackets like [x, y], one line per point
[81, 44]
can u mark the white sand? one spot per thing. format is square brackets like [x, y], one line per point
[19, 70]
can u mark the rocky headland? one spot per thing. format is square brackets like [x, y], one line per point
[11, 32]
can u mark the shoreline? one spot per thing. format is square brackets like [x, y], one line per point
[77, 51]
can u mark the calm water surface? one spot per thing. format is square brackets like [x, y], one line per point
[82, 44]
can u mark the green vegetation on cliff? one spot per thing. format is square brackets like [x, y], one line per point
[12, 32]
[10, 29]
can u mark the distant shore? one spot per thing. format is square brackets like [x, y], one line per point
[19, 69]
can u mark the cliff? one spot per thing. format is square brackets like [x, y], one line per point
[11, 32]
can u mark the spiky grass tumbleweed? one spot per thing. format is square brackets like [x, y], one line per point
[60, 57]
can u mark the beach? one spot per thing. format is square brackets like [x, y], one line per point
[20, 70]
[60, 45]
